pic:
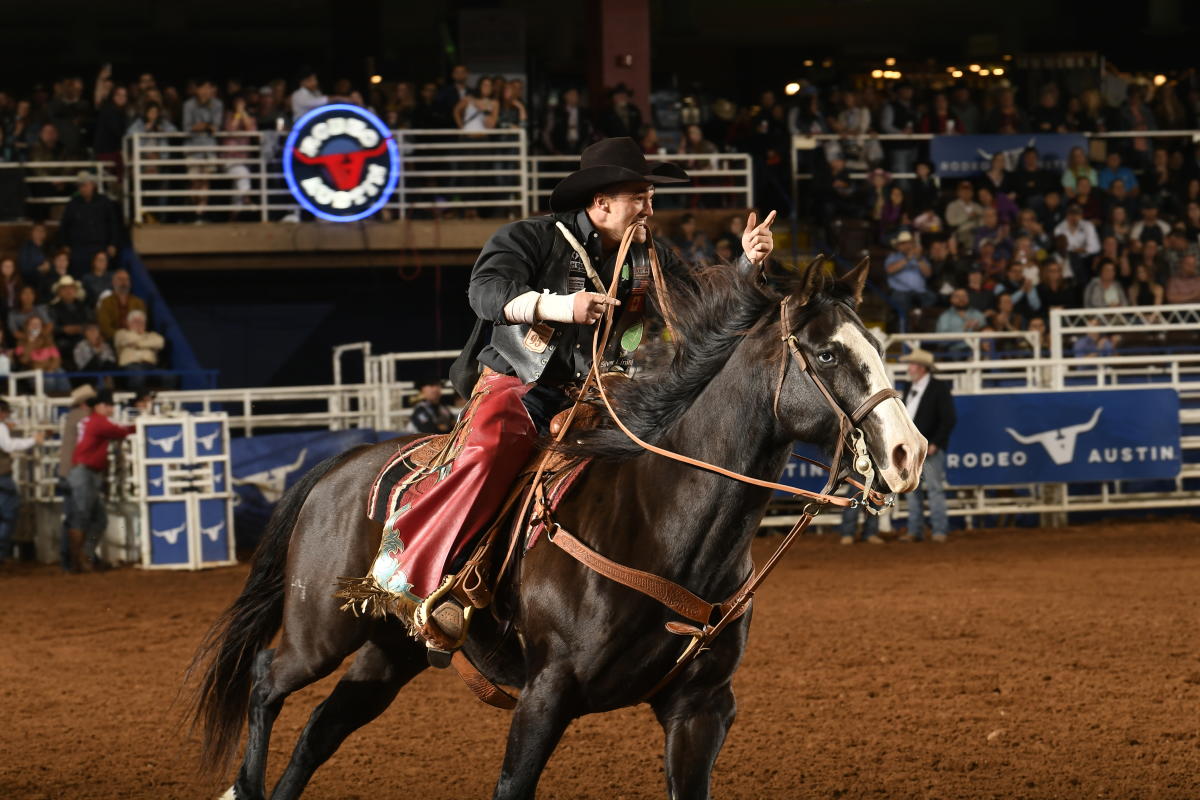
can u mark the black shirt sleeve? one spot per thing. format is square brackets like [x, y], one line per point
[505, 270]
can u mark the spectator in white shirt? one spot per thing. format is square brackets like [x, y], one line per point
[1149, 226]
[1082, 240]
[307, 96]
[10, 501]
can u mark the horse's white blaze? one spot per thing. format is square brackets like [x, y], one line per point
[229, 795]
[896, 428]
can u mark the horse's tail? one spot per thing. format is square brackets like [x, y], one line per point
[227, 654]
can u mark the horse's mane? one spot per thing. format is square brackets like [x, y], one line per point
[714, 308]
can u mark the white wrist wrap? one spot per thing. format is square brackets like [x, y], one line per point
[556, 307]
[532, 307]
[522, 308]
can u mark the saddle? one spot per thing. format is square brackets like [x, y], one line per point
[442, 619]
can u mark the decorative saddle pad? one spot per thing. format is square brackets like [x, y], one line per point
[401, 481]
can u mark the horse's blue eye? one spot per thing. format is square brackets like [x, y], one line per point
[825, 357]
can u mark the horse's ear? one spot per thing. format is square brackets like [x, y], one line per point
[856, 278]
[812, 280]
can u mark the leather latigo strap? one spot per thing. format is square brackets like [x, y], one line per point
[667, 592]
[479, 685]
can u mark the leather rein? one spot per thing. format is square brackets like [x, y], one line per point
[708, 618]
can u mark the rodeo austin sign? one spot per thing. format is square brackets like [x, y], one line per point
[1061, 437]
[1050, 437]
[341, 162]
[967, 156]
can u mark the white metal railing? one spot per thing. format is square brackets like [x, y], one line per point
[59, 179]
[1074, 322]
[241, 174]
[728, 175]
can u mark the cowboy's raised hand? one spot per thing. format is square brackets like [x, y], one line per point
[757, 242]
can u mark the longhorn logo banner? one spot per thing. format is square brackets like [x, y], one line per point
[1063, 437]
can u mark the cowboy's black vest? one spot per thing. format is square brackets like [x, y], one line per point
[532, 254]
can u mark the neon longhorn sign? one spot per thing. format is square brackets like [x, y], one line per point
[341, 162]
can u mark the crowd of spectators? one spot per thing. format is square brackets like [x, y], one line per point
[995, 251]
[999, 251]
[60, 316]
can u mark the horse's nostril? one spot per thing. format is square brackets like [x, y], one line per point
[900, 457]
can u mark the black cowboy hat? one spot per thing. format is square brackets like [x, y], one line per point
[609, 161]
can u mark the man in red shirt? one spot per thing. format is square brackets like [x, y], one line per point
[88, 518]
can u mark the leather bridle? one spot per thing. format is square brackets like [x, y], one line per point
[849, 431]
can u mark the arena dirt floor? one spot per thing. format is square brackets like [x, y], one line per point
[1005, 664]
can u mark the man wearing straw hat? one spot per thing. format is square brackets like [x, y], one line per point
[932, 410]
[538, 287]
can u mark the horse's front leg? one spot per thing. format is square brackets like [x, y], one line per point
[695, 720]
[544, 710]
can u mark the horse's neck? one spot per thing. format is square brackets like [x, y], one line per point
[704, 523]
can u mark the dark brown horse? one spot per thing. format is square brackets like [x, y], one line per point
[582, 643]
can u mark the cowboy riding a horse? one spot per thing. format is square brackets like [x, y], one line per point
[643, 410]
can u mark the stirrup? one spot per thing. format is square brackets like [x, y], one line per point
[443, 623]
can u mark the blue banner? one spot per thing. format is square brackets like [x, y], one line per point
[964, 156]
[1063, 437]
[803, 475]
[264, 467]
[1048, 437]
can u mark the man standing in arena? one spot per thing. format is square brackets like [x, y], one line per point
[68, 437]
[10, 501]
[89, 518]
[538, 287]
[432, 414]
[932, 410]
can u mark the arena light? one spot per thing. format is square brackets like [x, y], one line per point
[985, 72]
[890, 62]
[958, 73]
[876, 74]
[951, 70]
[1008, 56]
[827, 63]
[808, 62]
[1159, 80]
[973, 67]
[376, 79]
[791, 89]
[998, 71]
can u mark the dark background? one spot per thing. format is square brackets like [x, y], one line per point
[733, 48]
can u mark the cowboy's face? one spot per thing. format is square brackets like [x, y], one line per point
[916, 372]
[625, 204]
